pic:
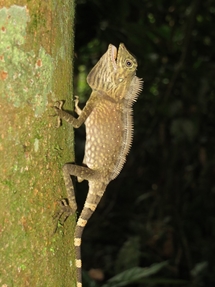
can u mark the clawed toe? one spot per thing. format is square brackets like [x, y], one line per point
[58, 105]
[62, 213]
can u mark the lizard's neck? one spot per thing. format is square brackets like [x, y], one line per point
[105, 96]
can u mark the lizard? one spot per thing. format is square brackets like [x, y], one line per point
[109, 129]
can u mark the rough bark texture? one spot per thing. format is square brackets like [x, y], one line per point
[35, 70]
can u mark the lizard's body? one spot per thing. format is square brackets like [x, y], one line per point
[108, 120]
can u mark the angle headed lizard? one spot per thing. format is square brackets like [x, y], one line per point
[109, 127]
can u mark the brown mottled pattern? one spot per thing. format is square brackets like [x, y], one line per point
[109, 129]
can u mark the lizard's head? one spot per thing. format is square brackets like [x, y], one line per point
[114, 72]
[122, 61]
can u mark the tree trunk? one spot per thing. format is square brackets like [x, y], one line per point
[36, 47]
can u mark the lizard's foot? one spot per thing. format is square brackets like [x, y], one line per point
[62, 213]
[77, 109]
[58, 106]
[76, 101]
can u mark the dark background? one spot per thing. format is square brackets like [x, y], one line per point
[162, 205]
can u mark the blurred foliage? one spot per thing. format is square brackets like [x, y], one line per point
[161, 207]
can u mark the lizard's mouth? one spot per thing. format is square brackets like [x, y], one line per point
[114, 56]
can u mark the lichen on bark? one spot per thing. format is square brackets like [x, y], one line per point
[32, 150]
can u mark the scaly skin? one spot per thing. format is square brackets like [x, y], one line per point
[108, 119]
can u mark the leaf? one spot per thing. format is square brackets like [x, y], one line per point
[129, 255]
[199, 268]
[134, 274]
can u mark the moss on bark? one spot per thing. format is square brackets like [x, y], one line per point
[35, 70]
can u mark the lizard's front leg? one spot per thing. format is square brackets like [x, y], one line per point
[83, 114]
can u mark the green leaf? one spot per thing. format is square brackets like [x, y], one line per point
[134, 274]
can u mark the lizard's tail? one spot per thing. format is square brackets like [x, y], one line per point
[90, 205]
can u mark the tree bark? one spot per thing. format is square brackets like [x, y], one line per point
[36, 48]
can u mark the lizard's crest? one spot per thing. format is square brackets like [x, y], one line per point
[113, 73]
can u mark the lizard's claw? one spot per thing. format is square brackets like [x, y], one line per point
[63, 213]
[77, 109]
[58, 106]
[76, 100]
[76, 104]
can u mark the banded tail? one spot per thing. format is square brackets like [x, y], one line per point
[96, 190]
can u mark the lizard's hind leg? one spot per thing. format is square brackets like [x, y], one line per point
[69, 206]
[81, 172]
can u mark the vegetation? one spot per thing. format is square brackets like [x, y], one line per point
[159, 214]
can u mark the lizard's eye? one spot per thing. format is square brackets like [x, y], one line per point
[129, 63]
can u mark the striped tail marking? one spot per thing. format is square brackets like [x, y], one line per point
[86, 213]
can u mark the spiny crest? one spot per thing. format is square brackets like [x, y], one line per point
[134, 90]
[130, 97]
